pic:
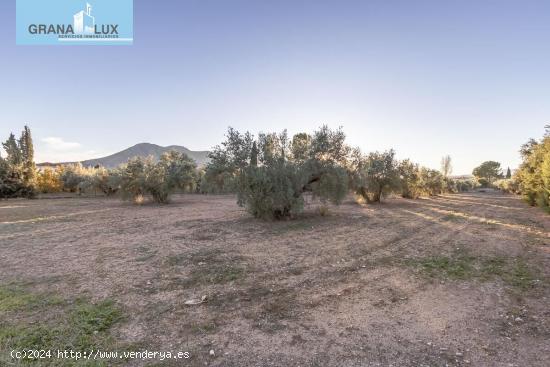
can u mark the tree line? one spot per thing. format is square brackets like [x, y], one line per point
[271, 174]
[139, 177]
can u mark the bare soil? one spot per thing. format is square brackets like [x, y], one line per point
[457, 280]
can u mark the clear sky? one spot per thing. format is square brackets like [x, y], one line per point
[469, 78]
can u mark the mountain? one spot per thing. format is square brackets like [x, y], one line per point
[142, 150]
[145, 150]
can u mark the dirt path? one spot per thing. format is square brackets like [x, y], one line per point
[458, 280]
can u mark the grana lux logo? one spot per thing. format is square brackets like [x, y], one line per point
[75, 22]
[83, 26]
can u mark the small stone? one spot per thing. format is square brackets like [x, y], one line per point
[518, 319]
[212, 352]
[458, 354]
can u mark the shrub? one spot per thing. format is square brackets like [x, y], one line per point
[96, 179]
[49, 181]
[465, 184]
[105, 181]
[483, 182]
[12, 183]
[508, 185]
[75, 177]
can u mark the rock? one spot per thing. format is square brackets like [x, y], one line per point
[194, 302]
[212, 353]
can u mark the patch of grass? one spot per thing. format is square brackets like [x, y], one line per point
[204, 275]
[217, 274]
[521, 275]
[13, 298]
[204, 328]
[515, 272]
[490, 225]
[204, 255]
[208, 266]
[145, 257]
[291, 226]
[492, 267]
[145, 253]
[452, 218]
[94, 318]
[278, 307]
[176, 260]
[460, 267]
[41, 322]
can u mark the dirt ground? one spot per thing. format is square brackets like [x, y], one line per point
[457, 280]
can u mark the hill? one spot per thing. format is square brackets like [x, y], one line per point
[142, 150]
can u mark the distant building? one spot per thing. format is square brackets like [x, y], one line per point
[84, 23]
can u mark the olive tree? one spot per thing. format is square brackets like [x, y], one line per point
[227, 162]
[432, 181]
[143, 176]
[75, 177]
[272, 172]
[376, 175]
[411, 181]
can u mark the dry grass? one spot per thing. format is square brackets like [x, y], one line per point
[437, 281]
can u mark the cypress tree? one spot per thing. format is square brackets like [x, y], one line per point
[27, 155]
[14, 156]
[254, 155]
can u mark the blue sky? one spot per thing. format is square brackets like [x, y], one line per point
[469, 78]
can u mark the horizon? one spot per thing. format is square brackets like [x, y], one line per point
[467, 79]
